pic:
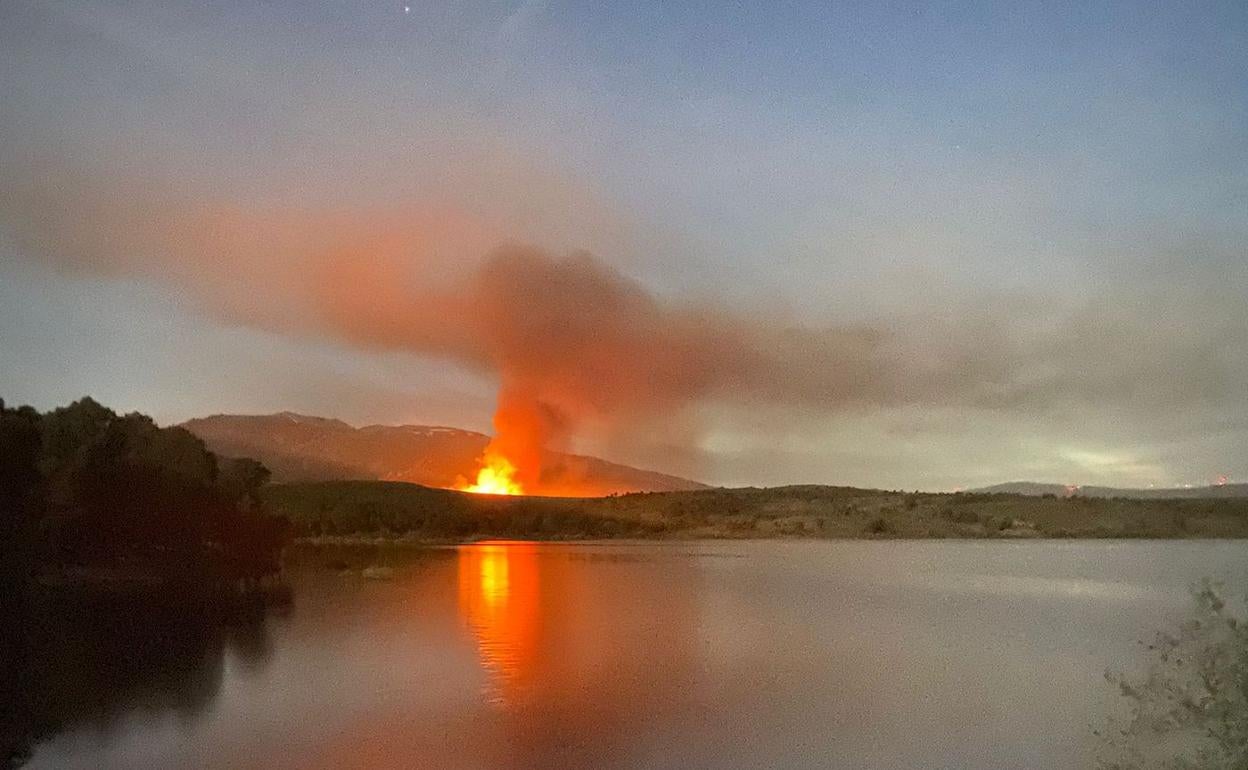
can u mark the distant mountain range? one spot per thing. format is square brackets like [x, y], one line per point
[1061, 490]
[298, 448]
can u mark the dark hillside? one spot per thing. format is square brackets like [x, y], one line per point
[375, 508]
[298, 448]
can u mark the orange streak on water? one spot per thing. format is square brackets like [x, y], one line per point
[499, 600]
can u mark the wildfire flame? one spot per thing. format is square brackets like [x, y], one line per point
[512, 461]
[496, 477]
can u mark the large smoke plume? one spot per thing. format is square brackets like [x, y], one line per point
[575, 345]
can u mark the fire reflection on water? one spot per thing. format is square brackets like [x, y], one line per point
[585, 649]
[499, 598]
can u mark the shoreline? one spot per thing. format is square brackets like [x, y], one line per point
[416, 541]
[363, 511]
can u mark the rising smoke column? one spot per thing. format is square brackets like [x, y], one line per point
[524, 428]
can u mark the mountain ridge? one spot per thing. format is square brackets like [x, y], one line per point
[307, 448]
[1035, 489]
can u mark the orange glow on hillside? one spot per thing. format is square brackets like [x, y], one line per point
[518, 459]
[512, 463]
[496, 477]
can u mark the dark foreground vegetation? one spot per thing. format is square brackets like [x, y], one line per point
[90, 495]
[119, 541]
[1189, 707]
[375, 508]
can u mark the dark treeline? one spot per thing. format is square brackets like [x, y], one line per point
[396, 508]
[84, 490]
[381, 509]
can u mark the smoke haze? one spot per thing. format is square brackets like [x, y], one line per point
[949, 258]
[576, 347]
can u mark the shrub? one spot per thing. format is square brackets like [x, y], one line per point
[1190, 709]
[960, 516]
[880, 526]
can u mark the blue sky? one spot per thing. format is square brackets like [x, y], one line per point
[1061, 184]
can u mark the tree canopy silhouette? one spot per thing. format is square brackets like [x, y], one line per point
[82, 487]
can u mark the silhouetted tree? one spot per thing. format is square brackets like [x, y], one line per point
[20, 490]
[81, 486]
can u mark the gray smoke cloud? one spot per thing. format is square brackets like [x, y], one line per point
[577, 346]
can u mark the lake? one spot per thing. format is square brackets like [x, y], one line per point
[885, 654]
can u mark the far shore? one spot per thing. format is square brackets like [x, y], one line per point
[342, 512]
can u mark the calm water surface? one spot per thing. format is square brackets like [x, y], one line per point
[716, 654]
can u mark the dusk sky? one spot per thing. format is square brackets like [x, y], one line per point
[920, 246]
